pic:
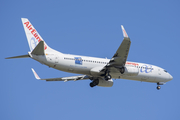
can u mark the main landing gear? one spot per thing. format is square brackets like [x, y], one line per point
[107, 77]
[94, 83]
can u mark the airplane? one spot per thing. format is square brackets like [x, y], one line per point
[99, 70]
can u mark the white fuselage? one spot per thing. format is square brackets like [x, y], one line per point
[85, 65]
[100, 71]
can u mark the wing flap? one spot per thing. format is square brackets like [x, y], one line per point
[80, 77]
[74, 78]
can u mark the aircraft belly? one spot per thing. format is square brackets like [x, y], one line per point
[141, 77]
[73, 68]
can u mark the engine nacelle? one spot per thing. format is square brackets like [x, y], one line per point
[130, 71]
[104, 83]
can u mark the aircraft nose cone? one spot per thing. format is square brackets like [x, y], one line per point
[170, 77]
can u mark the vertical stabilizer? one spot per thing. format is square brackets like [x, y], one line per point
[32, 35]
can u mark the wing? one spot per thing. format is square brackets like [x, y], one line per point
[81, 77]
[120, 57]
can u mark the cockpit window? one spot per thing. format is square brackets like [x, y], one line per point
[165, 71]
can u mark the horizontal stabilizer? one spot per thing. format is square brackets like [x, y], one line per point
[21, 56]
[39, 49]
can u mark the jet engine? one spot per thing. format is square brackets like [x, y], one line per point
[129, 71]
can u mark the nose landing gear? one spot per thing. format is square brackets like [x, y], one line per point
[158, 87]
[160, 83]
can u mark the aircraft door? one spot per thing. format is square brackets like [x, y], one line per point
[159, 71]
[56, 59]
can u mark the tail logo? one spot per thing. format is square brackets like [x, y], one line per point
[35, 34]
[33, 43]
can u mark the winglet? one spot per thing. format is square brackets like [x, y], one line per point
[124, 32]
[35, 74]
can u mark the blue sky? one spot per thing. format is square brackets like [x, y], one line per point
[90, 28]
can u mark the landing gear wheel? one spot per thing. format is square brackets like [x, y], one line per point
[158, 87]
[122, 70]
[94, 83]
[91, 84]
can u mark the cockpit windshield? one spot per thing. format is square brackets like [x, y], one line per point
[165, 71]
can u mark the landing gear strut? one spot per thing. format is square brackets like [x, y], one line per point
[107, 77]
[159, 83]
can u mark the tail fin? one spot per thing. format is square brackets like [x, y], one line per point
[32, 35]
[36, 44]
